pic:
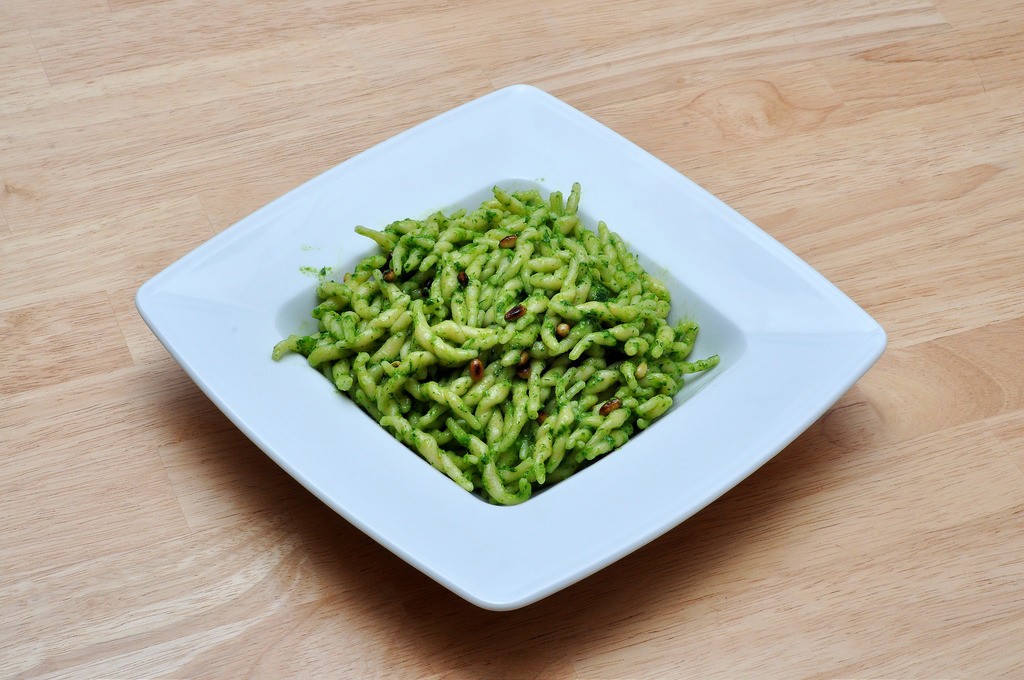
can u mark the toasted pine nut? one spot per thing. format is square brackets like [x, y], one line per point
[610, 406]
[515, 313]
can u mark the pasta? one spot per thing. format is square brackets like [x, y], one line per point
[508, 346]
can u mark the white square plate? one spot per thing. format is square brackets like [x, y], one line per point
[790, 342]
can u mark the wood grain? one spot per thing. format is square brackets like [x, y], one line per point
[142, 535]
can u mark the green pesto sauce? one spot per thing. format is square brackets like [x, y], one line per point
[322, 273]
[600, 293]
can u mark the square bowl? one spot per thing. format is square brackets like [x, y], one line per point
[790, 344]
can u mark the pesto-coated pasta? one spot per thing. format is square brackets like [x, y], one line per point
[508, 346]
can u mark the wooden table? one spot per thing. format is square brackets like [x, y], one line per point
[880, 140]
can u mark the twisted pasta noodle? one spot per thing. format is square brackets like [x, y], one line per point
[508, 346]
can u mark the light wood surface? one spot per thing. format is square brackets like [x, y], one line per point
[142, 535]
